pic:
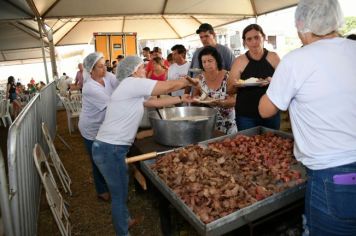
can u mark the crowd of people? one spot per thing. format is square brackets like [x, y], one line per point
[19, 94]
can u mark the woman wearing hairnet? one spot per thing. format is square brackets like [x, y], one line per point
[97, 89]
[118, 131]
[317, 83]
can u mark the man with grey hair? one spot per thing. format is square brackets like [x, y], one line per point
[317, 84]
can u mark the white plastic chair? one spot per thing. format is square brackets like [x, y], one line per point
[4, 111]
[76, 97]
[54, 197]
[73, 109]
[57, 163]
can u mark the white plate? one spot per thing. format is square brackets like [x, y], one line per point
[208, 101]
[250, 84]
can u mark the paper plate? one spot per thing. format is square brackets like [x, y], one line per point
[246, 83]
[207, 101]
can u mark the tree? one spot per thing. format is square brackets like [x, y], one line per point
[350, 24]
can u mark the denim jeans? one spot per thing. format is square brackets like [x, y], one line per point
[244, 122]
[12, 96]
[99, 181]
[330, 209]
[110, 159]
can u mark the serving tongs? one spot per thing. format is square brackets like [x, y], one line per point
[152, 155]
[195, 83]
[147, 156]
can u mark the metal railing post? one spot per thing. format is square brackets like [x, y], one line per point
[4, 200]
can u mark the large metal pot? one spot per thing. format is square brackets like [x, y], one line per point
[181, 126]
[145, 122]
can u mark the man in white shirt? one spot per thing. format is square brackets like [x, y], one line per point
[64, 83]
[180, 66]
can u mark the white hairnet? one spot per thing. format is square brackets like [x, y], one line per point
[90, 60]
[320, 17]
[89, 63]
[128, 66]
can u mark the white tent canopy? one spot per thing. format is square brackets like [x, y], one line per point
[73, 22]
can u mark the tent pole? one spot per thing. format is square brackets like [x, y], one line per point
[52, 53]
[43, 49]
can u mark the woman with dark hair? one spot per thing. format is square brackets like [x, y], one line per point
[259, 63]
[213, 81]
[11, 89]
[11, 94]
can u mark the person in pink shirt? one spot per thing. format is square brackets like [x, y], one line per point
[79, 77]
[159, 71]
[156, 52]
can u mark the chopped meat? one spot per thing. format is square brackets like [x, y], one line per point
[230, 174]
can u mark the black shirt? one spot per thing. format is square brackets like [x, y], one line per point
[248, 98]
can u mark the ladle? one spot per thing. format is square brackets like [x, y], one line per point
[159, 114]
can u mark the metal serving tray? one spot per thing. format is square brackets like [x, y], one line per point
[239, 217]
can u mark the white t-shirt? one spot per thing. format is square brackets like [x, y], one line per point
[174, 72]
[318, 85]
[125, 111]
[63, 84]
[95, 99]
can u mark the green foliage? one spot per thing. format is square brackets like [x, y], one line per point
[350, 24]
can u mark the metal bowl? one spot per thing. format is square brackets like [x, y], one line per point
[145, 122]
[181, 126]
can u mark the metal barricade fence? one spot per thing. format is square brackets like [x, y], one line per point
[4, 200]
[24, 183]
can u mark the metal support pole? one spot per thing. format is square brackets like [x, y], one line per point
[4, 200]
[43, 49]
[52, 53]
